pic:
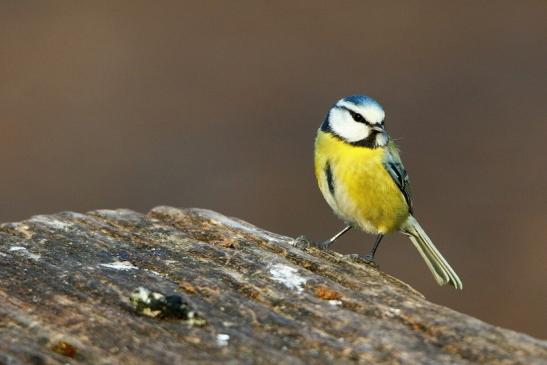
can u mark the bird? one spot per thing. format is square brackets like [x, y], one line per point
[362, 178]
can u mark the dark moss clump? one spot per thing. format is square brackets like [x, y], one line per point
[157, 305]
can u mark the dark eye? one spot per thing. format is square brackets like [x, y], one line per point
[357, 117]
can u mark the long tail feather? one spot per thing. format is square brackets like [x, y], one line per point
[441, 270]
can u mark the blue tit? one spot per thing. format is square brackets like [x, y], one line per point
[362, 178]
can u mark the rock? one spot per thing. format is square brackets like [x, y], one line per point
[66, 281]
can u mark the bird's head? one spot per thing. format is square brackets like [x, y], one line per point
[357, 120]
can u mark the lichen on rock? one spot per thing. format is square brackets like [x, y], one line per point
[67, 287]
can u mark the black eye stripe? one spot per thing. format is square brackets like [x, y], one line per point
[356, 116]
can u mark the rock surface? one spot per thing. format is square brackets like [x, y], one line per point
[66, 280]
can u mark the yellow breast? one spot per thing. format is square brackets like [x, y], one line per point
[356, 185]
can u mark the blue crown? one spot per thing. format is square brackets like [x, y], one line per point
[362, 100]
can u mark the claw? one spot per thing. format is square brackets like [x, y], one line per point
[367, 259]
[303, 242]
[324, 245]
[353, 257]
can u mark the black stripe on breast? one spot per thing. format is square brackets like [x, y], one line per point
[330, 181]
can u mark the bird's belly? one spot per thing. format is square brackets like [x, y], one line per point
[367, 196]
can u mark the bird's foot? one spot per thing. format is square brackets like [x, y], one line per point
[301, 242]
[304, 242]
[367, 259]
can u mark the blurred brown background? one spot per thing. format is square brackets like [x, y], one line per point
[215, 105]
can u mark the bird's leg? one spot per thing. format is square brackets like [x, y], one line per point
[370, 255]
[368, 258]
[303, 242]
[326, 244]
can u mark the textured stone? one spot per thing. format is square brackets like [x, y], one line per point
[66, 282]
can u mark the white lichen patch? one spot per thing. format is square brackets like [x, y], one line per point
[51, 222]
[25, 252]
[120, 265]
[154, 272]
[393, 312]
[222, 339]
[288, 276]
[335, 302]
[141, 294]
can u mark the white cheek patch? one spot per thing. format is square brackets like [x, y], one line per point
[343, 125]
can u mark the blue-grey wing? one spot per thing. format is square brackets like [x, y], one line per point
[395, 168]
